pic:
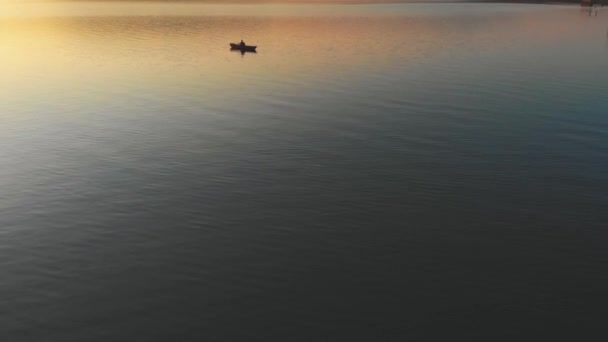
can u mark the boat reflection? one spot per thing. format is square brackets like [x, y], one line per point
[243, 52]
[242, 47]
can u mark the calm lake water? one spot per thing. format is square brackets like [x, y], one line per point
[374, 173]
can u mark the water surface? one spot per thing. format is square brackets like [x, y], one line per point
[382, 173]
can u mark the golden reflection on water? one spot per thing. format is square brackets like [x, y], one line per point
[49, 53]
[36, 8]
[188, 47]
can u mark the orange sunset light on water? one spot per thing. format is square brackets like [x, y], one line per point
[195, 7]
[192, 49]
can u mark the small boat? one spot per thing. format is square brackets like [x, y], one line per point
[248, 48]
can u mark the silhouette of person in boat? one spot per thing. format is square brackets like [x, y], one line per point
[242, 44]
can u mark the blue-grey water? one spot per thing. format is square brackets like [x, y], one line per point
[374, 173]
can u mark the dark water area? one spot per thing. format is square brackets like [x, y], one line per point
[400, 173]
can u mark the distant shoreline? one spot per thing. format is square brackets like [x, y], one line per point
[339, 2]
[330, 2]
